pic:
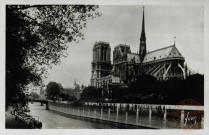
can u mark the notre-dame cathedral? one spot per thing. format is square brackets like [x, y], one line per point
[162, 63]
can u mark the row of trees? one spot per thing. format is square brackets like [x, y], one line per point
[147, 89]
[36, 39]
[91, 93]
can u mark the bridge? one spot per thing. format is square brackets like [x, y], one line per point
[42, 101]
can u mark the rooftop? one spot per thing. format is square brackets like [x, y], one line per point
[165, 52]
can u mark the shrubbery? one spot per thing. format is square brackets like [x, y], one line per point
[148, 90]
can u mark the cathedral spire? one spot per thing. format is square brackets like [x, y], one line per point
[143, 36]
[142, 46]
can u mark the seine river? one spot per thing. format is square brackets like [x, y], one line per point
[54, 120]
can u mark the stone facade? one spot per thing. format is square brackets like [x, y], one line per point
[101, 64]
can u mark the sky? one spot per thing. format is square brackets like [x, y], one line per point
[122, 25]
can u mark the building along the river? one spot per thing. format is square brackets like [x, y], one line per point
[162, 63]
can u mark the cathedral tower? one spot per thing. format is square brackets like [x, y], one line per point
[142, 46]
[101, 64]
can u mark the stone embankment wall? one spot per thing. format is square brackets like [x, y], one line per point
[151, 116]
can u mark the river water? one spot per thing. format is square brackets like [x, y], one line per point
[54, 120]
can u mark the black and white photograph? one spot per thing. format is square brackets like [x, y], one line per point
[95, 66]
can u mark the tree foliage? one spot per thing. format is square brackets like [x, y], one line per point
[91, 93]
[144, 83]
[34, 95]
[36, 37]
[148, 90]
[53, 90]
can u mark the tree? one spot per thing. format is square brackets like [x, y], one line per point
[120, 94]
[91, 93]
[36, 37]
[34, 95]
[178, 89]
[53, 90]
[144, 84]
[194, 87]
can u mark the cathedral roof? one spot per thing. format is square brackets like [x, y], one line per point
[159, 54]
[166, 52]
